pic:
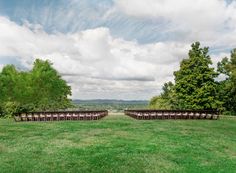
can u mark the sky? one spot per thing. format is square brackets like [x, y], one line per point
[114, 49]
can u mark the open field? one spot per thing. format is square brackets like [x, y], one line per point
[118, 143]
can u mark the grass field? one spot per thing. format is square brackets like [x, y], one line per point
[118, 144]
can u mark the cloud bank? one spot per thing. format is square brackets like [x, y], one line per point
[101, 57]
[93, 61]
[212, 21]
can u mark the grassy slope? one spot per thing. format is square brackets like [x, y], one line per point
[118, 144]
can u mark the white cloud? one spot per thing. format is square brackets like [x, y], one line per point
[198, 13]
[211, 21]
[96, 64]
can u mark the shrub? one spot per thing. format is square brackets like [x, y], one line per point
[10, 108]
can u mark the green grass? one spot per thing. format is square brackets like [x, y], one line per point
[118, 143]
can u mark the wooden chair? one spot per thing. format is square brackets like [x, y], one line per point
[197, 115]
[48, 117]
[166, 115]
[139, 116]
[178, 115]
[74, 116]
[191, 115]
[29, 117]
[23, 117]
[36, 117]
[81, 116]
[61, 116]
[185, 115]
[42, 117]
[153, 115]
[209, 115]
[203, 115]
[88, 116]
[172, 115]
[68, 116]
[159, 115]
[95, 116]
[146, 116]
[55, 116]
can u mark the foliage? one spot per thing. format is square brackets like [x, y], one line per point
[41, 89]
[157, 102]
[8, 83]
[165, 100]
[10, 108]
[227, 87]
[195, 85]
[48, 87]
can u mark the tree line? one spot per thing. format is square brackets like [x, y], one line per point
[39, 89]
[197, 85]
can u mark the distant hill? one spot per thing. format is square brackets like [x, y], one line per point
[110, 101]
[110, 104]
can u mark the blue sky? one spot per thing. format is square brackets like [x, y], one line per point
[72, 16]
[119, 49]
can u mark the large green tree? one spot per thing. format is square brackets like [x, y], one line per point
[48, 87]
[227, 87]
[8, 82]
[12, 89]
[42, 88]
[195, 86]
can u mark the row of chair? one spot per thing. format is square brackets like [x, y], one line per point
[171, 114]
[137, 114]
[60, 116]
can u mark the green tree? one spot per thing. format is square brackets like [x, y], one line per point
[157, 102]
[195, 86]
[8, 83]
[166, 98]
[227, 87]
[42, 88]
[48, 87]
[9, 89]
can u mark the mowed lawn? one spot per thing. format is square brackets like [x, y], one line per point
[118, 143]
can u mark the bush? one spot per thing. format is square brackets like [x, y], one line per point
[10, 108]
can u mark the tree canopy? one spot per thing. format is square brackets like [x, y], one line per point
[39, 89]
[165, 100]
[195, 85]
[227, 87]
